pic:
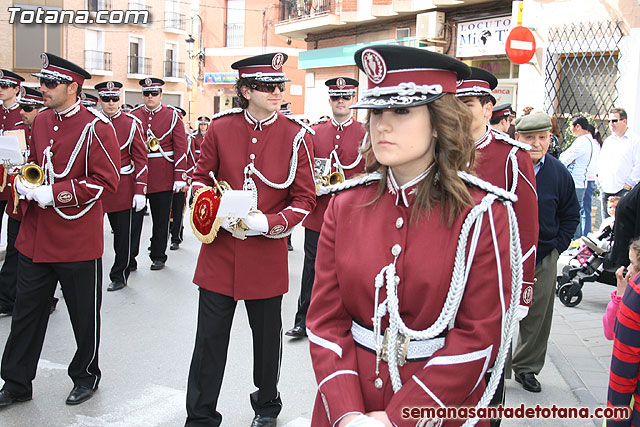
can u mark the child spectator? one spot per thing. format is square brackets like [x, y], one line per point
[625, 360]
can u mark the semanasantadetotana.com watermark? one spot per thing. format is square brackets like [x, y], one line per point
[19, 15]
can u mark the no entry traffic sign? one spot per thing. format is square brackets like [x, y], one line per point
[520, 45]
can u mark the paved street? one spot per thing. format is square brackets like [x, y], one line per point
[147, 338]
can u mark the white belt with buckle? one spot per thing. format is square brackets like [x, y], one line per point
[154, 155]
[415, 351]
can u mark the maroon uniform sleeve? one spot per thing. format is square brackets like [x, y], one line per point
[302, 194]
[139, 156]
[332, 349]
[179, 151]
[208, 161]
[457, 369]
[526, 209]
[103, 170]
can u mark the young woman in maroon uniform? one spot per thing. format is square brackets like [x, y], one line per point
[422, 254]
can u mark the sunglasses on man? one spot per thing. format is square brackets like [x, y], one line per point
[151, 93]
[337, 97]
[28, 108]
[107, 99]
[5, 85]
[51, 83]
[268, 87]
[614, 120]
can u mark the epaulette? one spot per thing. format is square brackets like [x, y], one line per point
[320, 121]
[488, 187]
[137, 106]
[99, 114]
[20, 123]
[133, 117]
[506, 138]
[350, 183]
[235, 110]
[302, 124]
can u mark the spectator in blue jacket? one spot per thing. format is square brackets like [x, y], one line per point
[558, 215]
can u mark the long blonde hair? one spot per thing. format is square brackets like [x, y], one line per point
[454, 151]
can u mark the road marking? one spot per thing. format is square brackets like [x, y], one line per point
[46, 364]
[299, 422]
[153, 406]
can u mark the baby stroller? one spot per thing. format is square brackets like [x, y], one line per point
[587, 265]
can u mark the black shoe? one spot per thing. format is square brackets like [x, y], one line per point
[133, 267]
[7, 398]
[157, 265]
[296, 332]
[263, 421]
[79, 394]
[528, 381]
[6, 311]
[289, 247]
[115, 286]
[54, 303]
[174, 246]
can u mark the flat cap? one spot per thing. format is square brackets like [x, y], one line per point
[534, 122]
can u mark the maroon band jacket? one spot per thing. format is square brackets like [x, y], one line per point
[133, 163]
[9, 117]
[255, 268]
[358, 239]
[81, 147]
[344, 140]
[494, 164]
[169, 164]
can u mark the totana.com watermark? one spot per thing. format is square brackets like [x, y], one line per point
[18, 15]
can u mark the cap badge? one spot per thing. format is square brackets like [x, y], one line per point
[147, 81]
[277, 61]
[341, 83]
[23, 91]
[1, 74]
[459, 83]
[45, 60]
[83, 96]
[110, 85]
[374, 66]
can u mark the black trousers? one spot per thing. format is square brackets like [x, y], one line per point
[160, 204]
[308, 275]
[215, 316]
[81, 284]
[3, 208]
[177, 212]
[9, 271]
[121, 226]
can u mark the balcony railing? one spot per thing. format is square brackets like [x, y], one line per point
[175, 21]
[97, 60]
[235, 35]
[96, 5]
[139, 65]
[173, 69]
[299, 9]
[135, 11]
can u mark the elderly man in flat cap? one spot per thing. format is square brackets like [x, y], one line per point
[558, 216]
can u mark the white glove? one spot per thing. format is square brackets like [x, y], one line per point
[521, 312]
[257, 221]
[364, 421]
[178, 185]
[139, 201]
[20, 188]
[42, 194]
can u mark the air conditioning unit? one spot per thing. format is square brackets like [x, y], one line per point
[437, 49]
[430, 26]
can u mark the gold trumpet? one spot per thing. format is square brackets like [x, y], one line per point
[152, 145]
[31, 175]
[332, 178]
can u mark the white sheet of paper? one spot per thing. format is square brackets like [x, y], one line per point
[10, 150]
[235, 203]
[19, 133]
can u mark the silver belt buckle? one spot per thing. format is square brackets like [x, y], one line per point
[403, 348]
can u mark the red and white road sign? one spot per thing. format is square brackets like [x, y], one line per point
[520, 45]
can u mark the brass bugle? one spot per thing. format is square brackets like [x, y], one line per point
[153, 145]
[333, 178]
[31, 175]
